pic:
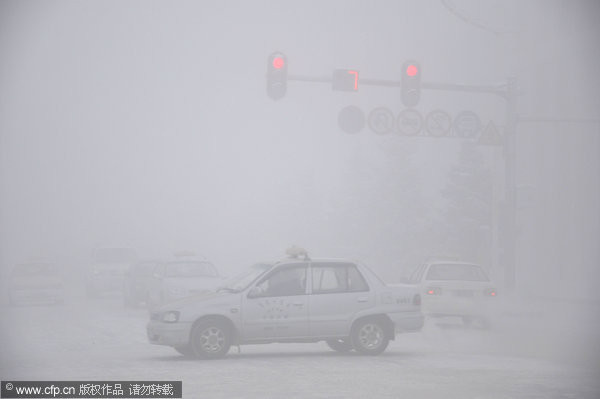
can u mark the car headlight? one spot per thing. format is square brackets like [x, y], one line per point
[171, 316]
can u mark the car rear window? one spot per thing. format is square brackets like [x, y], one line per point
[456, 272]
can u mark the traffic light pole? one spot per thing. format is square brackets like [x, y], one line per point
[509, 92]
[509, 233]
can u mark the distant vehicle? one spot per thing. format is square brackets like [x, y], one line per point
[107, 271]
[181, 278]
[455, 289]
[137, 282]
[36, 283]
[295, 300]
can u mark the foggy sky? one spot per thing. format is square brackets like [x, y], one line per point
[146, 124]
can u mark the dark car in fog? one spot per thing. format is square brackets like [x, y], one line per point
[181, 278]
[137, 282]
[107, 271]
[36, 283]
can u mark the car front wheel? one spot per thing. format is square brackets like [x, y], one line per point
[369, 337]
[210, 339]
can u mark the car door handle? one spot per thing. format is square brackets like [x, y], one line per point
[362, 299]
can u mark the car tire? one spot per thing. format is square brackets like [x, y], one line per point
[340, 345]
[185, 350]
[369, 337]
[210, 339]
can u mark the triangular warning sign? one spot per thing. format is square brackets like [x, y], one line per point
[491, 135]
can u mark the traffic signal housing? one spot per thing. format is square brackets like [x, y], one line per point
[411, 83]
[276, 75]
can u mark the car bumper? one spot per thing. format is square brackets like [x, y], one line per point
[171, 334]
[436, 307]
[408, 321]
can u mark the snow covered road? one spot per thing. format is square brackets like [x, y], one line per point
[102, 340]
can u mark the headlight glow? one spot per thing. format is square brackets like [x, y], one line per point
[171, 316]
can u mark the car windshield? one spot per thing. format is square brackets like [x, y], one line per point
[35, 269]
[114, 255]
[144, 268]
[456, 271]
[190, 269]
[243, 280]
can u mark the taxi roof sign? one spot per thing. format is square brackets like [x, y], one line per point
[295, 252]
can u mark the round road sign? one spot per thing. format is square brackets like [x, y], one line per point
[467, 125]
[381, 120]
[351, 119]
[409, 122]
[438, 123]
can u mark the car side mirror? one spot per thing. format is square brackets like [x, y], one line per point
[254, 292]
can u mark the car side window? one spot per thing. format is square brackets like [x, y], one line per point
[336, 278]
[356, 282]
[328, 279]
[286, 281]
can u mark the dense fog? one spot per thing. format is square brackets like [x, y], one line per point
[146, 126]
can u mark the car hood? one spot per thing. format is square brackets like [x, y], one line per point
[35, 281]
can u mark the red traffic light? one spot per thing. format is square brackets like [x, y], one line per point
[412, 70]
[276, 75]
[278, 62]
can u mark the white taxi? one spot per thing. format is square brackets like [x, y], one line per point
[295, 300]
[455, 289]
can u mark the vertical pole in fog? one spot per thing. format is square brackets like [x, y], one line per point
[509, 234]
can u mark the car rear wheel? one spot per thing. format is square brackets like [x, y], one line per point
[210, 339]
[340, 345]
[369, 337]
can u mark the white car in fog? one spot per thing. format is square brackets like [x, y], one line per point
[35, 283]
[455, 289]
[179, 279]
[294, 300]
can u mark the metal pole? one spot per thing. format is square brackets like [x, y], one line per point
[509, 241]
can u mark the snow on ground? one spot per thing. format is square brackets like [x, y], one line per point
[102, 340]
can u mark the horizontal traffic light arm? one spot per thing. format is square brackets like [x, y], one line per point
[493, 89]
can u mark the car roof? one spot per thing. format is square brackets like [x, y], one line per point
[452, 262]
[313, 260]
[186, 259]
